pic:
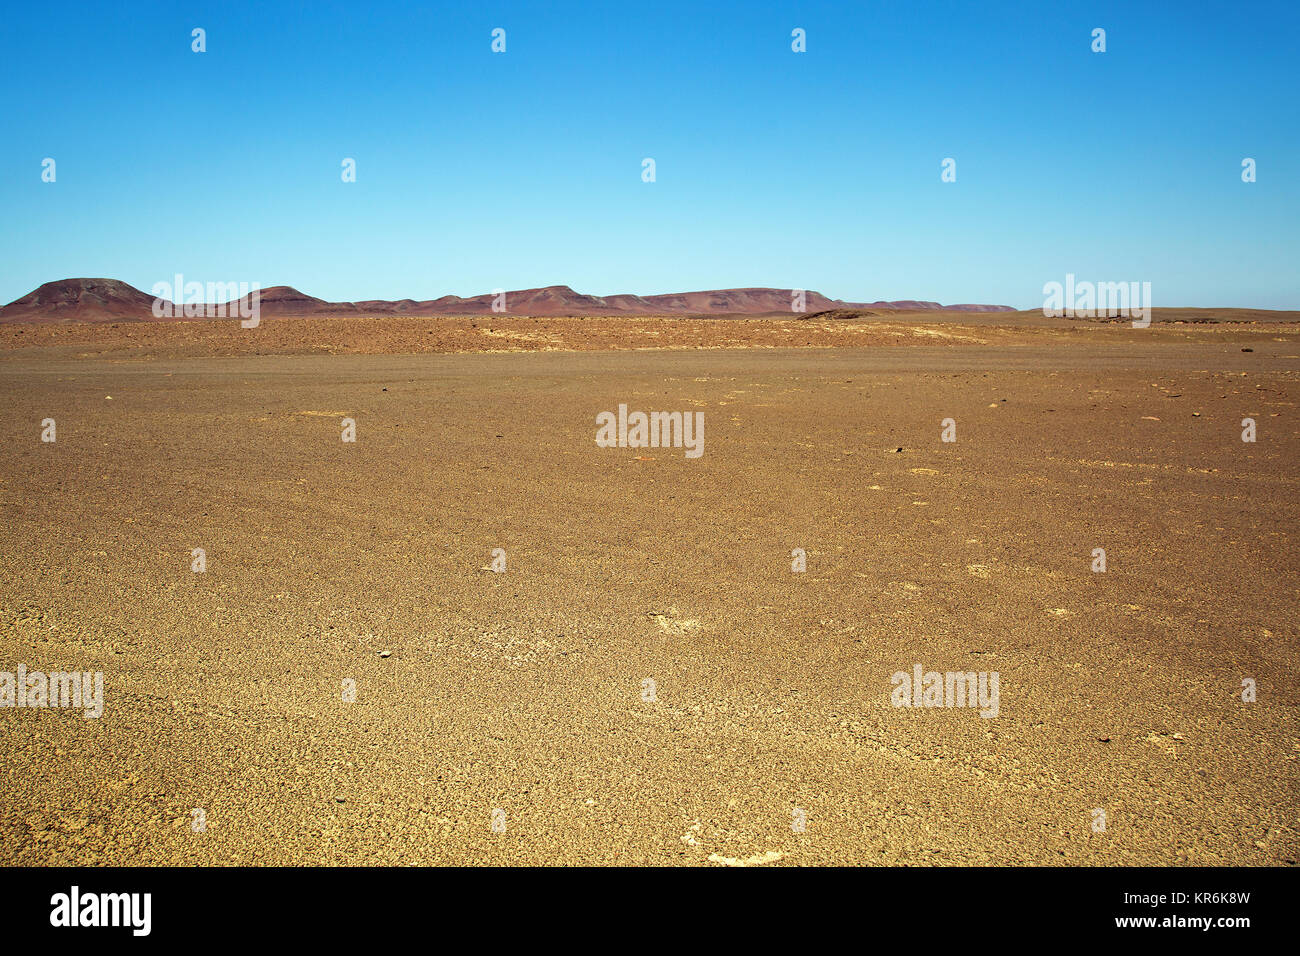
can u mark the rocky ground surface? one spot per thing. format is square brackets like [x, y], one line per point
[529, 692]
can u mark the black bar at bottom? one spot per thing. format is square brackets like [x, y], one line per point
[334, 906]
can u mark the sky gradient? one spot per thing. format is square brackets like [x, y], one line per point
[817, 170]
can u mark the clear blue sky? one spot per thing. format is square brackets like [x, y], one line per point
[818, 170]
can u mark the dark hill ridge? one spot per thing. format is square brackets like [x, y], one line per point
[71, 299]
[101, 300]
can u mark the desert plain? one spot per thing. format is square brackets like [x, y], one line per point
[648, 681]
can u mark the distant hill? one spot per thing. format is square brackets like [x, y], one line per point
[103, 300]
[81, 300]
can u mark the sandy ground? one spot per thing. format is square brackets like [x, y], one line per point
[386, 335]
[524, 691]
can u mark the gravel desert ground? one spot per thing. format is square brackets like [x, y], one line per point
[649, 680]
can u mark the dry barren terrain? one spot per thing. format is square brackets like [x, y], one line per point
[527, 692]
